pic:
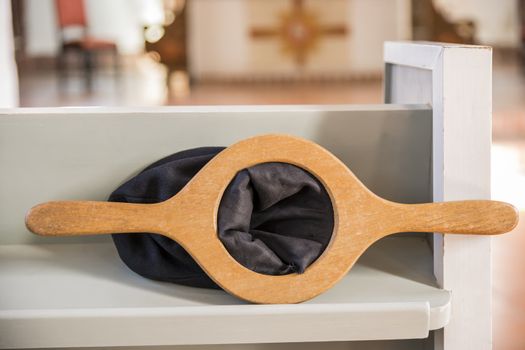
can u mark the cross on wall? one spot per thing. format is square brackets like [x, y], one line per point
[299, 31]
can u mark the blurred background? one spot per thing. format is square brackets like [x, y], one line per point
[193, 52]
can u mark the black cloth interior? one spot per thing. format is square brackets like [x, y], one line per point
[274, 218]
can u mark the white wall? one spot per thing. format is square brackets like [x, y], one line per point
[496, 20]
[119, 20]
[220, 45]
[8, 75]
[372, 23]
[217, 36]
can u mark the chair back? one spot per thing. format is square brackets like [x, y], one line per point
[71, 13]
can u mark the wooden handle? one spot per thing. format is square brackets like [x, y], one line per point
[481, 217]
[69, 218]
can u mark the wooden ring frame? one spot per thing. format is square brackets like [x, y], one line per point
[190, 218]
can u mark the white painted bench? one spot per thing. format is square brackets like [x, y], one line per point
[430, 141]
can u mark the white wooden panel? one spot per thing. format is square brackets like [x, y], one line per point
[409, 84]
[461, 103]
[73, 153]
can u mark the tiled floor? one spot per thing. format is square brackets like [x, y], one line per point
[142, 84]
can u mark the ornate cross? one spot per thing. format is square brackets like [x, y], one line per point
[299, 31]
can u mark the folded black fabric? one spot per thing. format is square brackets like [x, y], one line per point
[274, 218]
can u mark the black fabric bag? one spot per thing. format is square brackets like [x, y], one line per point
[274, 218]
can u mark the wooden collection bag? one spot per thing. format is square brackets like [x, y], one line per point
[190, 218]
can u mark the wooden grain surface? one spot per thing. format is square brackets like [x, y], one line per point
[190, 218]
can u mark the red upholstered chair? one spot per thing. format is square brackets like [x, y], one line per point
[71, 14]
